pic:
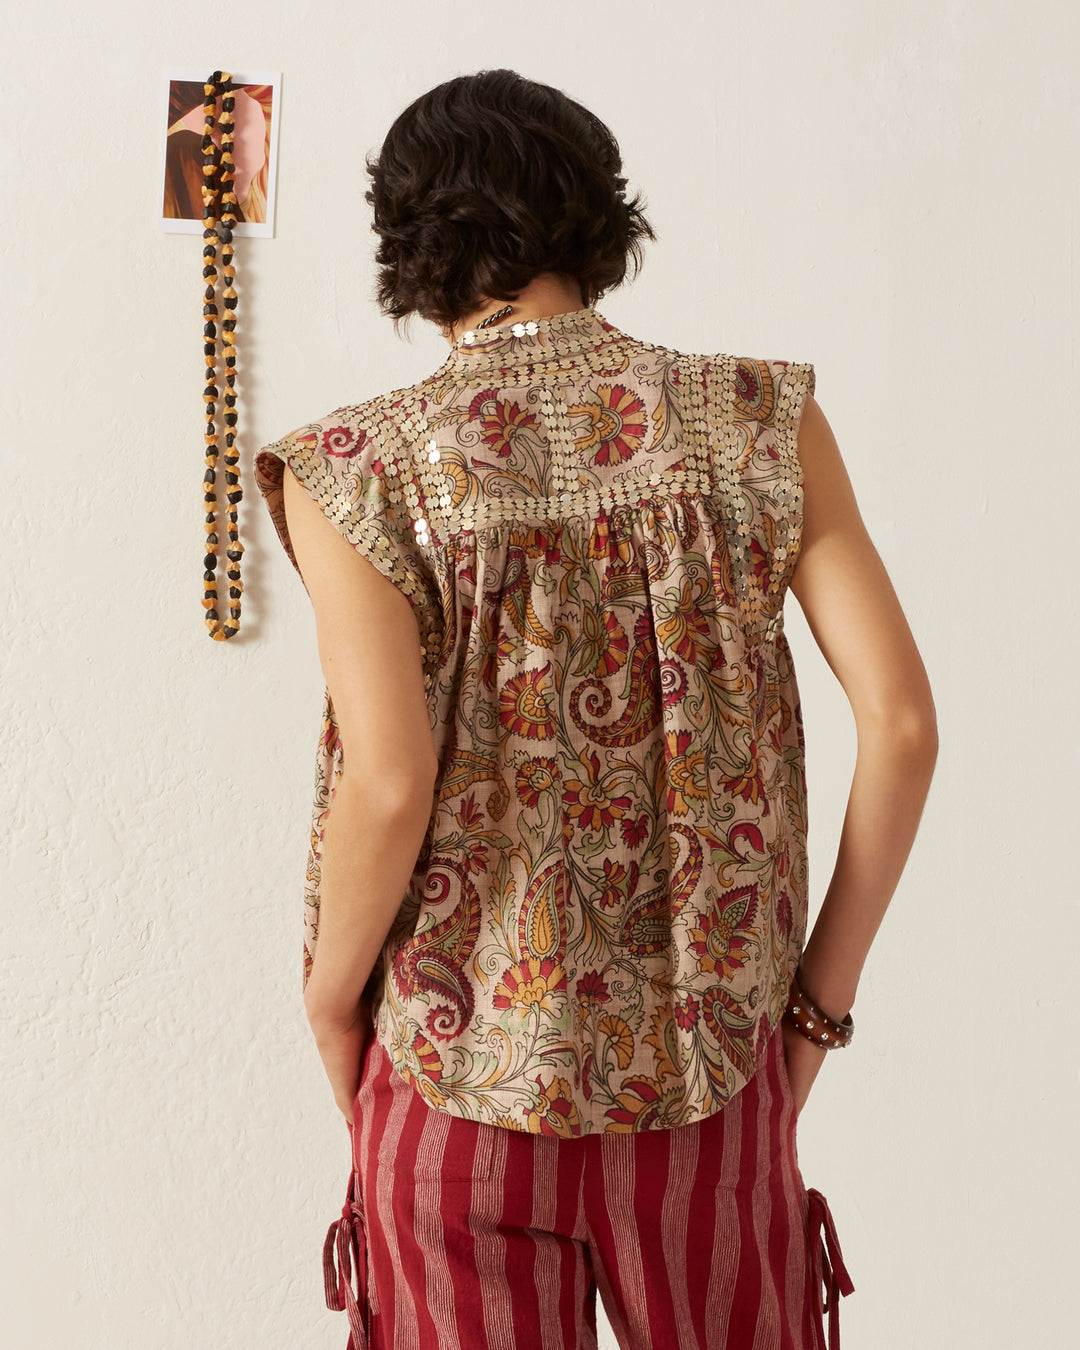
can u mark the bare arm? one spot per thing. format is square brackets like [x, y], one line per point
[855, 617]
[369, 649]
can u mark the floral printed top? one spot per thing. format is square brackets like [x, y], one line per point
[596, 534]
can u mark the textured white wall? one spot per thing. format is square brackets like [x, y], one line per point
[889, 191]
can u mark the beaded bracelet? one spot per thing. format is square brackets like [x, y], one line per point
[220, 82]
[815, 1025]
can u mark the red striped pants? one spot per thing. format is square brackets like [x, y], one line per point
[466, 1236]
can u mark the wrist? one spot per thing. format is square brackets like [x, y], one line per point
[813, 1022]
[834, 995]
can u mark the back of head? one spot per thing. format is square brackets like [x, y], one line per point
[488, 180]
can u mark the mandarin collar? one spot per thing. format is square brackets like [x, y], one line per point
[532, 339]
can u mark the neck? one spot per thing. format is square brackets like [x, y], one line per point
[547, 294]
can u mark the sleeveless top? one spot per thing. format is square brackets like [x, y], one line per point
[596, 534]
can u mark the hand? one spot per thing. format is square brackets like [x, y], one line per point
[341, 1043]
[803, 1059]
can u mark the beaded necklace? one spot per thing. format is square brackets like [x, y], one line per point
[220, 82]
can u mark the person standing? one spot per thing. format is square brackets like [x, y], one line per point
[556, 959]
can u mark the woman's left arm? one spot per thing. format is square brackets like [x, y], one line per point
[369, 649]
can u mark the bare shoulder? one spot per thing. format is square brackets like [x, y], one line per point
[844, 590]
[833, 532]
[829, 498]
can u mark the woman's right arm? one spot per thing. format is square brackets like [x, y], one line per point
[855, 617]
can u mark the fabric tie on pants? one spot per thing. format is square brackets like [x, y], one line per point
[829, 1261]
[347, 1236]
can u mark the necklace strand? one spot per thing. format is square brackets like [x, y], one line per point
[221, 182]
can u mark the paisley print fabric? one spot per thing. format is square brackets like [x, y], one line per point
[596, 534]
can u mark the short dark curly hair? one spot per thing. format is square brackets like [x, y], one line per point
[486, 181]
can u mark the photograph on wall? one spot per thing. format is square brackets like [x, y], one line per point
[254, 135]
